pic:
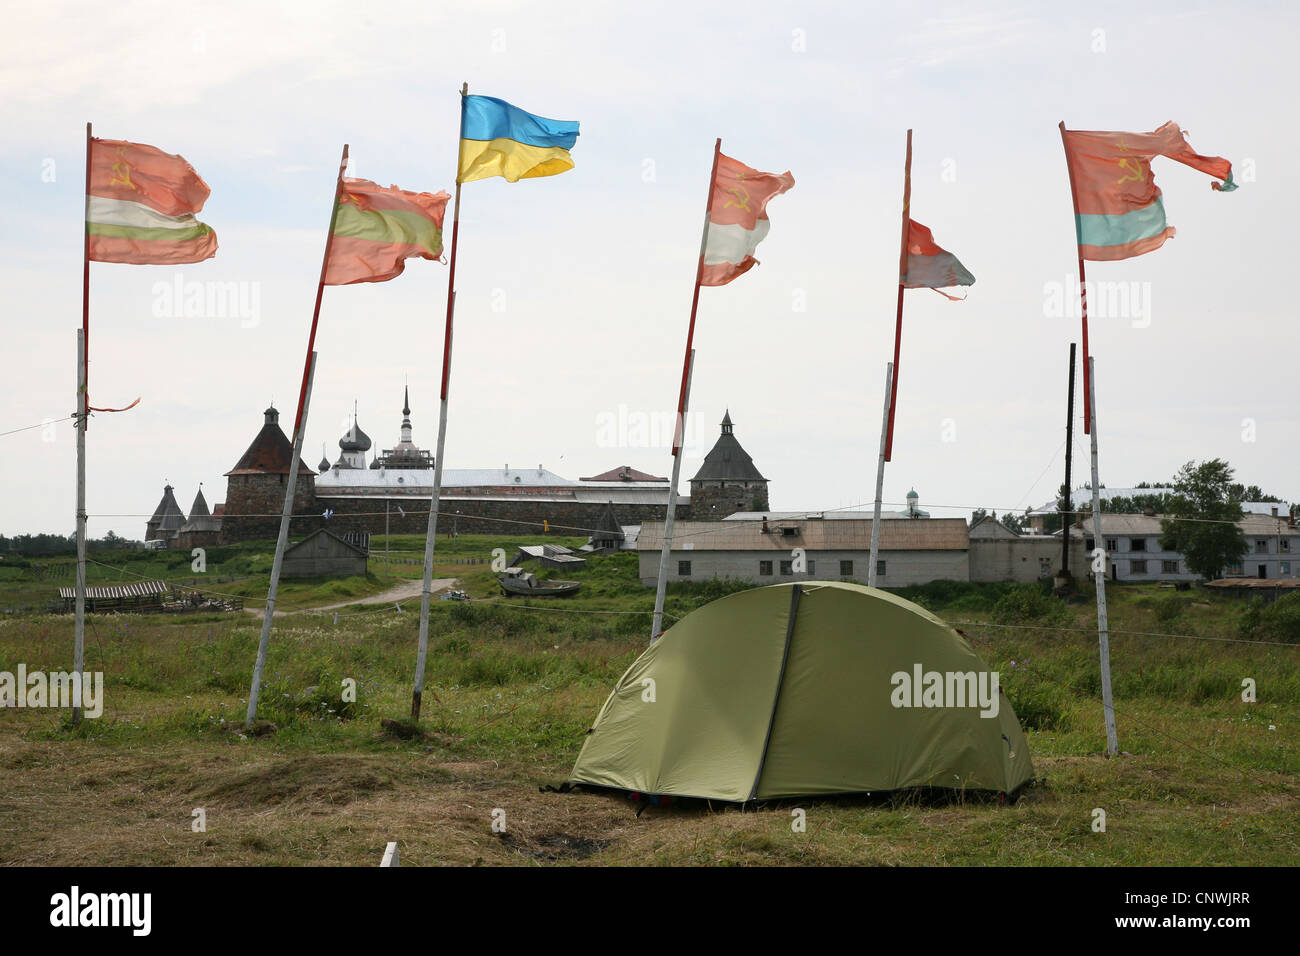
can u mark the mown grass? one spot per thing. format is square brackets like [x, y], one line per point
[1206, 778]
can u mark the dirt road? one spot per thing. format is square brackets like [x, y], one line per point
[406, 591]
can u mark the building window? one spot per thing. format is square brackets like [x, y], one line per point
[787, 567]
[846, 569]
[684, 569]
[880, 569]
[1112, 545]
[1169, 567]
[1137, 567]
[1284, 567]
[789, 532]
[765, 568]
[1284, 544]
[812, 566]
[1136, 544]
[1261, 546]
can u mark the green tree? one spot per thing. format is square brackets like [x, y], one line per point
[976, 515]
[1211, 541]
[1014, 522]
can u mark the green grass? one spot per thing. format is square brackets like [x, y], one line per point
[1205, 777]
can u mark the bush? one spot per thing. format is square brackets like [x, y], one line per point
[1029, 602]
[1040, 706]
[1167, 610]
[1279, 621]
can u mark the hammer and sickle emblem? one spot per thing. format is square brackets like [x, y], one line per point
[359, 201]
[121, 174]
[741, 199]
[1134, 174]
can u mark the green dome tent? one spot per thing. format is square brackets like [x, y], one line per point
[801, 690]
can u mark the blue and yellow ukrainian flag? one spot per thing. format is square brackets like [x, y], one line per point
[497, 139]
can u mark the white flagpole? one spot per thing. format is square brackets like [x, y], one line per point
[79, 627]
[273, 590]
[656, 626]
[1099, 545]
[431, 532]
[880, 476]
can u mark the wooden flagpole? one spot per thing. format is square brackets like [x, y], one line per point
[880, 476]
[1083, 290]
[299, 430]
[902, 272]
[82, 419]
[431, 533]
[1100, 560]
[688, 362]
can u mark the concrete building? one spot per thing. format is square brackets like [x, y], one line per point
[772, 552]
[1272, 548]
[1133, 551]
[999, 554]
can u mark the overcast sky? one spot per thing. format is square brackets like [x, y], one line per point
[574, 291]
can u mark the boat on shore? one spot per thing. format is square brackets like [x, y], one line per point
[521, 583]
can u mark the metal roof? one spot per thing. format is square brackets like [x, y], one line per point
[810, 515]
[451, 478]
[139, 589]
[623, 473]
[933, 534]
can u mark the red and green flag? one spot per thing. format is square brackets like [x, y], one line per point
[377, 229]
[1119, 211]
[141, 204]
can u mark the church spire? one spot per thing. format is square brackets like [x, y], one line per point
[406, 414]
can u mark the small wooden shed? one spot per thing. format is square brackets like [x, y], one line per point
[325, 554]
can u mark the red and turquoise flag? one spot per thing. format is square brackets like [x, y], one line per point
[1119, 211]
[929, 266]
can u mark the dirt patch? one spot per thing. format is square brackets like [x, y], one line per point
[310, 781]
[555, 847]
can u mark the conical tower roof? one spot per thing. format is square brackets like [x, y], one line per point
[270, 452]
[200, 507]
[727, 461]
[168, 514]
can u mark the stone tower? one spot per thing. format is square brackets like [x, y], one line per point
[255, 488]
[727, 482]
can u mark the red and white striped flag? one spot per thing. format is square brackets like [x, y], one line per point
[140, 206]
[738, 218]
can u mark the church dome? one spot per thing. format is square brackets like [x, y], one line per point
[355, 439]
